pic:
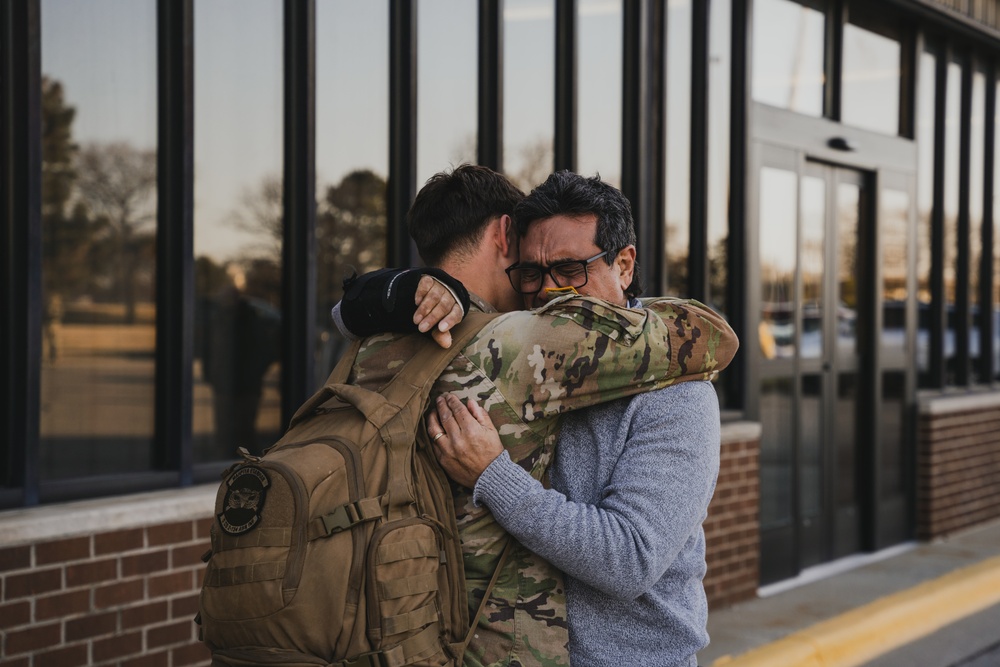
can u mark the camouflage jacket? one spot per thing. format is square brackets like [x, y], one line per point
[526, 368]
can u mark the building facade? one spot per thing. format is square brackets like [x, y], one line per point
[186, 183]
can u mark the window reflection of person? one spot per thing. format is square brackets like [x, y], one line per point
[240, 342]
[52, 315]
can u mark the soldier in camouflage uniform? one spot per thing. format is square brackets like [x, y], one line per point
[527, 369]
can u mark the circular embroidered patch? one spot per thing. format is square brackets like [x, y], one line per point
[244, 500]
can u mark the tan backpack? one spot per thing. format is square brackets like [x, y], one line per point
[339, 546]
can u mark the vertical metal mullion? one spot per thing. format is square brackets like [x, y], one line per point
[175, 238]
[698, 244]
[963, 312]
[736, 252]
[836, 16]
[987, 343]
[490, 142]
[298, 268]
[937, 370]
[402, 129]
[566, 86]
[643, 137]
[22, 212]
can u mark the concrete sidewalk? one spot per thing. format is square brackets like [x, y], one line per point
[852, 611]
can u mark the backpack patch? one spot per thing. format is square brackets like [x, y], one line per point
[244, 501]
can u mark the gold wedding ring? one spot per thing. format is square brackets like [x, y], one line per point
[439, 435]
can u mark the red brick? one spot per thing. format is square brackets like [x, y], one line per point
[144, 563]
[32, 583]
[204, 528]
[32, 639]
[93, 625]
[15, 558]
[118, 594]
[118, 541]
[188, 556]
[69, 656]
[14, 614]
[184, 607]
[170, 533]
[60, 551]
[16, 662]
[174, 633]
[148, 660]
[64, 604]
[192, 654]
[147, 614]
[117, 647]
[83, 574]
[171, 584]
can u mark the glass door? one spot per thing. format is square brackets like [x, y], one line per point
[812, 218]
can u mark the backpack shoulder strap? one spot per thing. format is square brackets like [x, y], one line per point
[423, 367]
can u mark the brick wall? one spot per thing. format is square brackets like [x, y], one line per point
[124, 591]
[121, 597]
[958, 463]
[732, 529]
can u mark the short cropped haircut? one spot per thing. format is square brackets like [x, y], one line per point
[450, 213]
[570, 194]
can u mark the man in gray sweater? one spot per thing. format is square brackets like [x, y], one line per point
[632, 479]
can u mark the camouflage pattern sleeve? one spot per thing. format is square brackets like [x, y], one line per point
[579, 351]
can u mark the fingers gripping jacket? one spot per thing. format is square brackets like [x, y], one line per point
[339, 545]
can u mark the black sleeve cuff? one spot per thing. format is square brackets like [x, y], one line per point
[383, 301]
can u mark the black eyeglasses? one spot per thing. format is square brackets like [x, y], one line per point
[529, 279]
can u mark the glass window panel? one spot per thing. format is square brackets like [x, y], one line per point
[892, 431]
[996, 238]
[977, 175]
[813, 230]
[98, 116]
[950, 239]
[777, 444]
[352, 155]
[777, 263]
[812, 429]
[719, 64]
[847, 439]
[870, 80]
[599, 89]
[529, 90]
[848, 211]
[893, 227]
[678, 167]
[237, 226]
[788, 56]
[925, 202]
[446, 84]
[894, 348]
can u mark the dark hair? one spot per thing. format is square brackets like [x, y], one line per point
[570, 194]
[451, 211]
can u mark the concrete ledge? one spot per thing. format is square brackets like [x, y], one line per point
[944, 404]
[741, 431]
[858, 636]
[38, 524]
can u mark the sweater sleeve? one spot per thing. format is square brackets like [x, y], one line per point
[655, 499]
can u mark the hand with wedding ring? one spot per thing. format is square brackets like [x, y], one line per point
[464, 439]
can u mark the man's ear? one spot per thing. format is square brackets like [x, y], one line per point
[625, 262]
[506, 237]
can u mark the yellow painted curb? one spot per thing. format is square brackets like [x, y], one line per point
[864, 633]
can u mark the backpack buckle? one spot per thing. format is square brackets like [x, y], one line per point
[346, 516]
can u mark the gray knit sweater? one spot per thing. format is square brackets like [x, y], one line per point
[631, 481]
